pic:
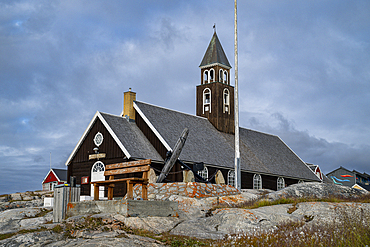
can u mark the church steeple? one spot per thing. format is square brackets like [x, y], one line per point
[215, 54]
[215, 95]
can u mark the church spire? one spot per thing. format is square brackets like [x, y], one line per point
[215, 54]
[215, 95]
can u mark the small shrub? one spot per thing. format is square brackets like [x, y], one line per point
[57, 229]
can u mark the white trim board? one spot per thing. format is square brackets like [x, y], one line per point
[146, 120]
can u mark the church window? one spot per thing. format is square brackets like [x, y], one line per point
[220, 75]
[226, 100]
[231, 178]
[257, 182]
[98, 167]
[206, 100]
[203, 173]
[205, 77]
[211, 75]
[225, 77]
[280, 183]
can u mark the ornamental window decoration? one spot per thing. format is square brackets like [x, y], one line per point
[206, 100]
[226, 101]
[98, 167]
[280, 183]
[203, 173]
[98, 139]
[220, 76]
[231, 178]
[205, 77]
[257, 182]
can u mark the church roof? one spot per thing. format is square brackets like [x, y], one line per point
[136, 144]
[259, 152]
[215, 53]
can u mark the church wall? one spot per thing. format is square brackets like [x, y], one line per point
[80, 166]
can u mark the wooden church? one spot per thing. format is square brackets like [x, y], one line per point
[145, 131]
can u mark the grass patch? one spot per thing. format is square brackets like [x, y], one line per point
[23, 231]
[6, 235]
[351, 230]
[295, 200]
[57, 229]
[169, 239]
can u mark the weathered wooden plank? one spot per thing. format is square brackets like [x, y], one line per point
[96, 156]
[128, 164]
[127, 170]
[104, 182]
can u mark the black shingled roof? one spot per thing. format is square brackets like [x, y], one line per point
[61, 174]
[259, 152]
[215, 53]
[131, 137]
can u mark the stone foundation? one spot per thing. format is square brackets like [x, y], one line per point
[162, 191]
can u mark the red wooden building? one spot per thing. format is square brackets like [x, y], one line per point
[54, 177]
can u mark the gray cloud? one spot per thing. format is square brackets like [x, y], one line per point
[303, 73]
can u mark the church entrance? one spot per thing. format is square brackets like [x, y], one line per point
[97, 174]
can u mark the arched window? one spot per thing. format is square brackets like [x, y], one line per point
[257, 182]
[97, 174]
[225, 77]
[220, 75]
[226, 101]
[280, 183]
[211, 75]
[206, 100]
[203, 173]
[231, 178]
[205, 77]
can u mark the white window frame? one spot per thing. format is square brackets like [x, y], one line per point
[98, 139]
[205, 77]
[207, 104]
[225, 77]
[231, 178]
[203, 173]
[221, 75]
[226, 101]
[211, 75]
[97, 177]
[257, 182]
[280, 183]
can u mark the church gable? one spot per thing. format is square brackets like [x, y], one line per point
[97, 138]
[108, 146]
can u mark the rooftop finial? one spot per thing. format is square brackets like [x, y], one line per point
[214, 27]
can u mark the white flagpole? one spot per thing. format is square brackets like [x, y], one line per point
[237, 152]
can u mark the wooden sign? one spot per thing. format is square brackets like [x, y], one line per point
[96, 156]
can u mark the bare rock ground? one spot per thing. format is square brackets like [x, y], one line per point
[32, 226]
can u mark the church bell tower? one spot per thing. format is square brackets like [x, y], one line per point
[215, 95]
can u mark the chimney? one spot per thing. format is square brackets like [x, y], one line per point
[128, 105]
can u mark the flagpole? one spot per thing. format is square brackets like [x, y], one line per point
[237, 152]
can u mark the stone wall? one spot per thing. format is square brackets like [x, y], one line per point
[162, 191]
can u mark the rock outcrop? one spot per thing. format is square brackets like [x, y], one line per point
[24, 200]
[199, 218]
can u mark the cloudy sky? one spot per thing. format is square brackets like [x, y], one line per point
[304, 73]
